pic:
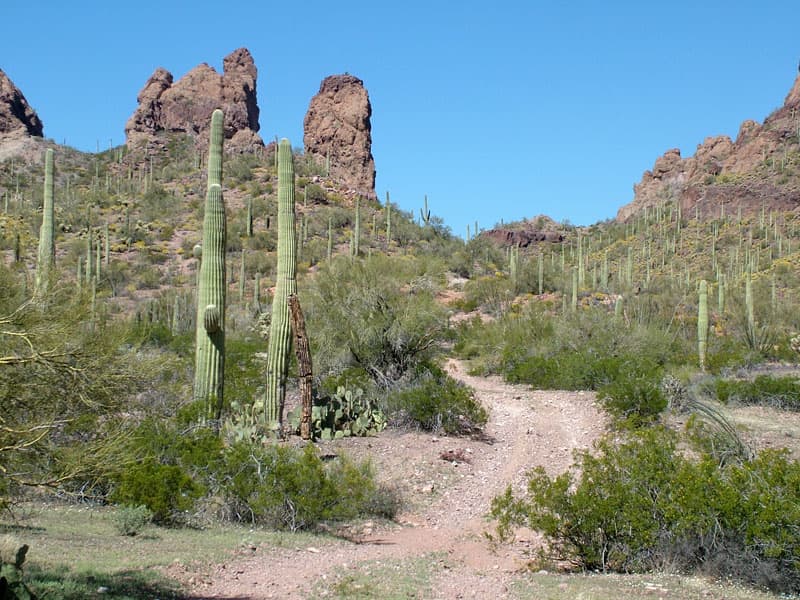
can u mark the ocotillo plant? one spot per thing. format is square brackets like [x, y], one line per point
[210, 328]
[285, 285]
[47, 251]
[702, 323]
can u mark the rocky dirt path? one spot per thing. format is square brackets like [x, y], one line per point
[526, 428]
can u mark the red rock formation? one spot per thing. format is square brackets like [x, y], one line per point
[185, 106]
[16, 115]
[337, 126]
[755, 170]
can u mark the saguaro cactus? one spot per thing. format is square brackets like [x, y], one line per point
[47, 250]
[356, 249]
[702, 323]
[210, 331]
[424, 213]
[285, 285]
[388, 221]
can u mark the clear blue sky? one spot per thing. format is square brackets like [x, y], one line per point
[495, 110]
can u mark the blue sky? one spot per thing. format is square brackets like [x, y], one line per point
[498, 110]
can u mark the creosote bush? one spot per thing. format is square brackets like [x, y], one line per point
[639, 504]
[191, 475]
[764, 390]
[437, 402]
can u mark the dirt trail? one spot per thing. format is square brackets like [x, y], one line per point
[526, 428]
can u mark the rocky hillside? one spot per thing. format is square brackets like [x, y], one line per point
[760, 168]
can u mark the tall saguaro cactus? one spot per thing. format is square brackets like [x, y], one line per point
[47, 250]
[702, 323]
[210, 331]
[285, 285]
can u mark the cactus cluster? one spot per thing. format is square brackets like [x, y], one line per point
[348, 413]
[211, 285]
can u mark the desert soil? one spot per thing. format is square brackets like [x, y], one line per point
[446, 501]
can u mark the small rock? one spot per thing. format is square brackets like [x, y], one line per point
[312, 550]
[102, 590]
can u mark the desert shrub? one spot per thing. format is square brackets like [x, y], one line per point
[360, 316]
[289, 488]
[493, 293]
[639, 504]
[764, 390]
[166, 490]
[437, 402]
[634, 399]
[131, 520]
[584, 351]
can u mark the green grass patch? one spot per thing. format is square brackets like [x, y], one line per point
[74, 551]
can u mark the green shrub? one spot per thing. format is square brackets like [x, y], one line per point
[639, 504]
[166, 490]
[764, 390]
[289, 488]
[131, 520]
[359, 315]
[437, 402]
[633, 399]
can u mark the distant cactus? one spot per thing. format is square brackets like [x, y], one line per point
[702, 323]
[47, 250]
[574, 289]
[210, 327]
[285, 285]
[541, 273]
[357, 230]
[388, 221]
[424, 213]
[330, 238]
[748, 302]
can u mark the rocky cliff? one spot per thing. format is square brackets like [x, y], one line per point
[20, 126]
[760, 168]
[16, 115]
[337, 131]
[185, 106]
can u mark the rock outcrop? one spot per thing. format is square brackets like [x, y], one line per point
[760, 168]
[337, 132]
[526, 233]
[16, 115]
[185, 106]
